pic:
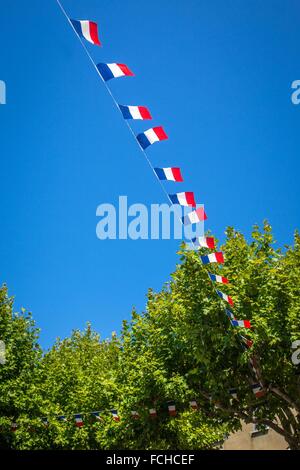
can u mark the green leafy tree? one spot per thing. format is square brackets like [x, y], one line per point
[185, 340]
[181, 348]
[18, 390]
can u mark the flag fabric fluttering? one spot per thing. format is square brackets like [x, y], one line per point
[194, 405]
[135, 414]
[153, 413]
[241, 323]
[172, 409]
[62, 418]
[229, 314]
[194, 217]
[225, 297]
[247, 342]
[169, 174]
[88, 30]
[115, 415]
[109, 71]
[183, 199]
[216, 278]
[135, 112]
[258, 390]
[78, 420]
[204, 242]
[216, 257]
[233, 393]
[14, 427]
[150, 136]
[96, 415]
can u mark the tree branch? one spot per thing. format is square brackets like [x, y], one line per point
[284, 396]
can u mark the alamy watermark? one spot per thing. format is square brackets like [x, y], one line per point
[295, 96]
[139, 222]
[2, 92]
[2, 352]
[296, 353]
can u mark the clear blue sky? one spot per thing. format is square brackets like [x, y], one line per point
[216, 74]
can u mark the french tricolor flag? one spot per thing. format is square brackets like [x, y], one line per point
[183, 199]
[216, 278]
[170, 174]
[230, 314]
[241, 323]
[96, 415]
[258, 390]
[135, 112]
[194, 405]
[153, 412]
[62, 418]
[204, 242]
[247, 342]
[216, 257]
[225, 297]
[194, 217]
[115, 415]
[172, 409]
[14, 427]
[88, 30]
[78, 421]
[149, 137]
[109, 71]
[135, 414]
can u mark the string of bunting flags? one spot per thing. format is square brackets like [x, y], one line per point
[79, 419]
[87, 30]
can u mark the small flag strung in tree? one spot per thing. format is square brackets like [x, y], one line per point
[194, 405]
[62, 418]
[115, 415]
[216, 278]
[194, 217]
[153, 412]
[135, 414]
[183, 199]
[13, 427]
[258, 390]
[248, 343]
[204, 242]
[213, 258]
[169, 174]
[135, 112]
[109, 71]
[88, 30]
[225, 297]
[233, 393]
[171, 408]
[45, 422]
[96, 415]
[241, 323]
[149, 137]
[229, 314]
[78, 421]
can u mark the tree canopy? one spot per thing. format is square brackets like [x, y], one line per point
[181, 348]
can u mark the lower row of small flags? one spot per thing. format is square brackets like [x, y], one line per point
[257, 389]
